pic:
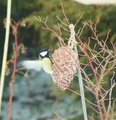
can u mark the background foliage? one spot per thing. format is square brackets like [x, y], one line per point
[36, 94]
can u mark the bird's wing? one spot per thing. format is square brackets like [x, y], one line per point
[32, 64]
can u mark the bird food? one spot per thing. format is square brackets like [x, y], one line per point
[64, 66]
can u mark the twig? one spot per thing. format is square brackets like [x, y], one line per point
[73, 91]
[59, 116]
[110, 94]
[16, 53]
[91, 65]
[65, 16]
[61, 21]
[79, 19]
[48, 28]
[5, 50]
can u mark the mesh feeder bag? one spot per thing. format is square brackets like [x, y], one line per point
[64, 66]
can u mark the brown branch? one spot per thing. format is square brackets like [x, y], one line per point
[94, 72]
[53, 31]
[15, 29]
[65, 16]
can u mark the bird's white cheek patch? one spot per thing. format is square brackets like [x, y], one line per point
[43, 53]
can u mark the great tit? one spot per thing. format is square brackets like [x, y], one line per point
[44, 63]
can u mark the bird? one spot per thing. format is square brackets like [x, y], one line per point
[44, 62]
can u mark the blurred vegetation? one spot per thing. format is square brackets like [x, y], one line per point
[35, 38]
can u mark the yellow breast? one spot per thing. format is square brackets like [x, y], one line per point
[47, 65]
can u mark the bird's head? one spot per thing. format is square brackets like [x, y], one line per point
[44, 53]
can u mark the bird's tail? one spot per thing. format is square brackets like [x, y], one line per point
[53, 77]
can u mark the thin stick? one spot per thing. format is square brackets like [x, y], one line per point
[110, 94]
[59, 116]
[72, 37]
[5, 50]
[66, 18]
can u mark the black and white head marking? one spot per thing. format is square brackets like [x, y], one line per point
[44, 53]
